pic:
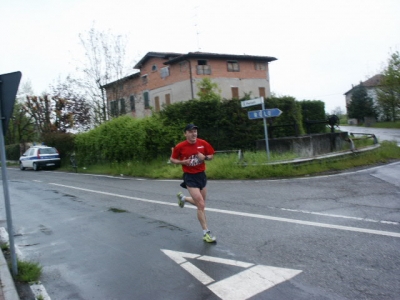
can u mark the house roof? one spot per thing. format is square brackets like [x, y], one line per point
[371, 82]
[137, 74]
[165, 55]
[209, 55]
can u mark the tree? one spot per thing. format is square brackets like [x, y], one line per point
[21, 128]
[338, 111]
[361, 105]
[104, 63]
[389, 90]
[208, 90]
[72, 109]
[49, 114]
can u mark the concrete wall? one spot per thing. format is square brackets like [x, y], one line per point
[307, 145]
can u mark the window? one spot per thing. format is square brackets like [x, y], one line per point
[157, 103]
[132, 101]
[164, 72]
[203, 68]
[260, 65]
[122, 110]
[145, 79]
[113, 108]
[261, 91]
[154, 68]
[233, 66]
[235, 92]
[167, 99]
[146, 100]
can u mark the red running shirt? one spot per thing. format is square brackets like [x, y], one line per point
[185, 150]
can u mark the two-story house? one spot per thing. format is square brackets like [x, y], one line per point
[166, 78]
[371, 85]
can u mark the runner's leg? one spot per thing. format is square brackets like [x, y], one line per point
[198, 201]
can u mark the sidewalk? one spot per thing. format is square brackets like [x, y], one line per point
[8, 290]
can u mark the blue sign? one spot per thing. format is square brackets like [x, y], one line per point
[265, 113]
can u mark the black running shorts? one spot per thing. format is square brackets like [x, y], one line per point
[198, 180]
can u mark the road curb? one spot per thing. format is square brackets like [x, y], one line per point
[7, 282]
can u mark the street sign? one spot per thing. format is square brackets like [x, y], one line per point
[265, 113]
[8, 90]
[252, 102]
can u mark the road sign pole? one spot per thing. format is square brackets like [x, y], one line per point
[7, 201]
[265, 129]
[8, 89]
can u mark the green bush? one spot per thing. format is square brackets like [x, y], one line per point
[224, 123]
[13, 152]
[313, 110]
[63, 142]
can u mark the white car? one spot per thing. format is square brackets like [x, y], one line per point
[40, 157]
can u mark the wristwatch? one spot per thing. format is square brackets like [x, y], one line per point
[205, 157]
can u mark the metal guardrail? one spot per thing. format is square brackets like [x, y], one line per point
[364, 136]
[240, 152]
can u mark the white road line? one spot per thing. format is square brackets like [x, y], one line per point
[335, 216]
[249, 215]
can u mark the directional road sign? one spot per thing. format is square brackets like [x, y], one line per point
[8, 89]
[265, 113]
[252, 102]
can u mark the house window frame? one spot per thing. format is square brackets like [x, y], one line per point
[262, 91]
[146, 99]
[235, 92]
[233, 66]
[122, 106]
[145, 79]
[164, 72]
[167, 99]
[132, 102]
[157, 104]
[260, 66]
[113, 108]
[203, 68]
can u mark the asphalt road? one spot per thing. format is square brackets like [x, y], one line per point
[331, 237]
[383, 134]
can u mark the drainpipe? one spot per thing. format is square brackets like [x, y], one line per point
[191, 82]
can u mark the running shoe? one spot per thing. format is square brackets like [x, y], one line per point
[181, 201]
[209, 238]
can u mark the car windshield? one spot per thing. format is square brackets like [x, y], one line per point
[47, 151]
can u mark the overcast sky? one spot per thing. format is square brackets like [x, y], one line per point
[322, 46]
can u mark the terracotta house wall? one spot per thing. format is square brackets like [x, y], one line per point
[178, 86]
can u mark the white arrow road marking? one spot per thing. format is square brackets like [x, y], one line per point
[255, 279]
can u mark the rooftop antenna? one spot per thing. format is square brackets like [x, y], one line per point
[196, 28]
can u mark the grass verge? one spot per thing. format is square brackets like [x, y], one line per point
[27, 271]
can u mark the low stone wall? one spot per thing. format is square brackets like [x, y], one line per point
[308, 145]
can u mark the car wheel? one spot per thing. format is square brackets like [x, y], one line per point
[35, 166]
[21, 167]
